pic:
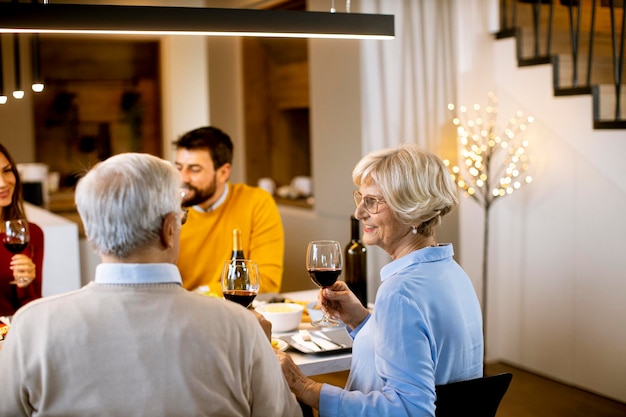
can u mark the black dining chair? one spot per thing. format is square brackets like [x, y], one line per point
[478, 397]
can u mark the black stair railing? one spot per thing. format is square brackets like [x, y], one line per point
[618, 55]
[577, 10]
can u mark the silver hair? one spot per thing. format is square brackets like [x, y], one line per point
[415, 184]
[123, 201]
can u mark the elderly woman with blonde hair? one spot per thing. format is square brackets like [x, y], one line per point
[426, 327]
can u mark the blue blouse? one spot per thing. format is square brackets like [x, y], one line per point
[426, 330]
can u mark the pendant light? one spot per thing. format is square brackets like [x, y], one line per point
[18, 92]
[3, 97]
[37, 81]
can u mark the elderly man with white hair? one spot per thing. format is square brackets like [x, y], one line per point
[134, 342]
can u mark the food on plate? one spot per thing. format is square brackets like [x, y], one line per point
[279, 345]
[305, 313]
[4, 329]
[204, 290]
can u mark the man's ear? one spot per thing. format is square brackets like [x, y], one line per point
[168, 232]
[223, 172]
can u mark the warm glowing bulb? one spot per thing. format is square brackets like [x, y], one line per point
[38, 87]
[18, 94]
[3, 99]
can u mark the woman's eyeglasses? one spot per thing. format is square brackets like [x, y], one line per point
[371, 203]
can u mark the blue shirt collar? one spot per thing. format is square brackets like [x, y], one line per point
[428, 254]
[119, 273]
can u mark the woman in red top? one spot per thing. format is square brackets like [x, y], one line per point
[27, 265]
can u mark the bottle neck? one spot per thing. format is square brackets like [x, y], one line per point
[237, 245]
[354, 229]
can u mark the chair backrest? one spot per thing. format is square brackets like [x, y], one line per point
[476, 398]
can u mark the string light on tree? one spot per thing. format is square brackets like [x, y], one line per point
[492, 163]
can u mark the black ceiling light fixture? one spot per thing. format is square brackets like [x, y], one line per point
[18, 92]
[113, 19]
[3, 96]
[37, 81]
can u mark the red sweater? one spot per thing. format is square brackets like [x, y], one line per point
[12, 297]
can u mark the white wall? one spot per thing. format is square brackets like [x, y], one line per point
[61, 262]
[184, 87]
[556, 281]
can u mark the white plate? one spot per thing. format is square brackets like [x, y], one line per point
[337, 335]
[282, 345]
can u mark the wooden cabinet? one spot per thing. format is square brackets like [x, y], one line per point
[276, 102]
[101, 98]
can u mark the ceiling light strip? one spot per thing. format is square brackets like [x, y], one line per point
[86, 18]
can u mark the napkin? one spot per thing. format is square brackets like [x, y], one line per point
[310, 346]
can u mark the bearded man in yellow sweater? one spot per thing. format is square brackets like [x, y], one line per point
[217, 206]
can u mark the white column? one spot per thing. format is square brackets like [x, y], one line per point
[184, 86]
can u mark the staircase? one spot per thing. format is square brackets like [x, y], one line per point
[583, 40]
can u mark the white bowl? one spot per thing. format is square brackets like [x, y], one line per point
[283, 316]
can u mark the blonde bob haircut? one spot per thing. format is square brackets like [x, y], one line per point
[415, 184]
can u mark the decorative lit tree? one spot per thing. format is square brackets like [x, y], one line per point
[493, 164]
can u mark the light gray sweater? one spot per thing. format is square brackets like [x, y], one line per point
[139, 350]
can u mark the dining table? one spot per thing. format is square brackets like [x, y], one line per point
[314, 363]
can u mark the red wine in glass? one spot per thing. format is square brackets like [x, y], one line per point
[15, 235]
[15, 247]
[242, 297]
[324, 262]
[240, 281]
[324, 277]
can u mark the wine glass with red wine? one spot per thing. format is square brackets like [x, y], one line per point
[15, 237]
[240, 281]
[324, 262]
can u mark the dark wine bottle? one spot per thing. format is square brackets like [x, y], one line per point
[237, 245]
[356, 263]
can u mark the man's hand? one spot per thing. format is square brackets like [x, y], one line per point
[265, 324]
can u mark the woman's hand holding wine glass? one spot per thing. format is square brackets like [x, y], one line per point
[16, 237]
[324, 263]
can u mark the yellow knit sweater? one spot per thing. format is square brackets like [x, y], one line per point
[206, 239]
